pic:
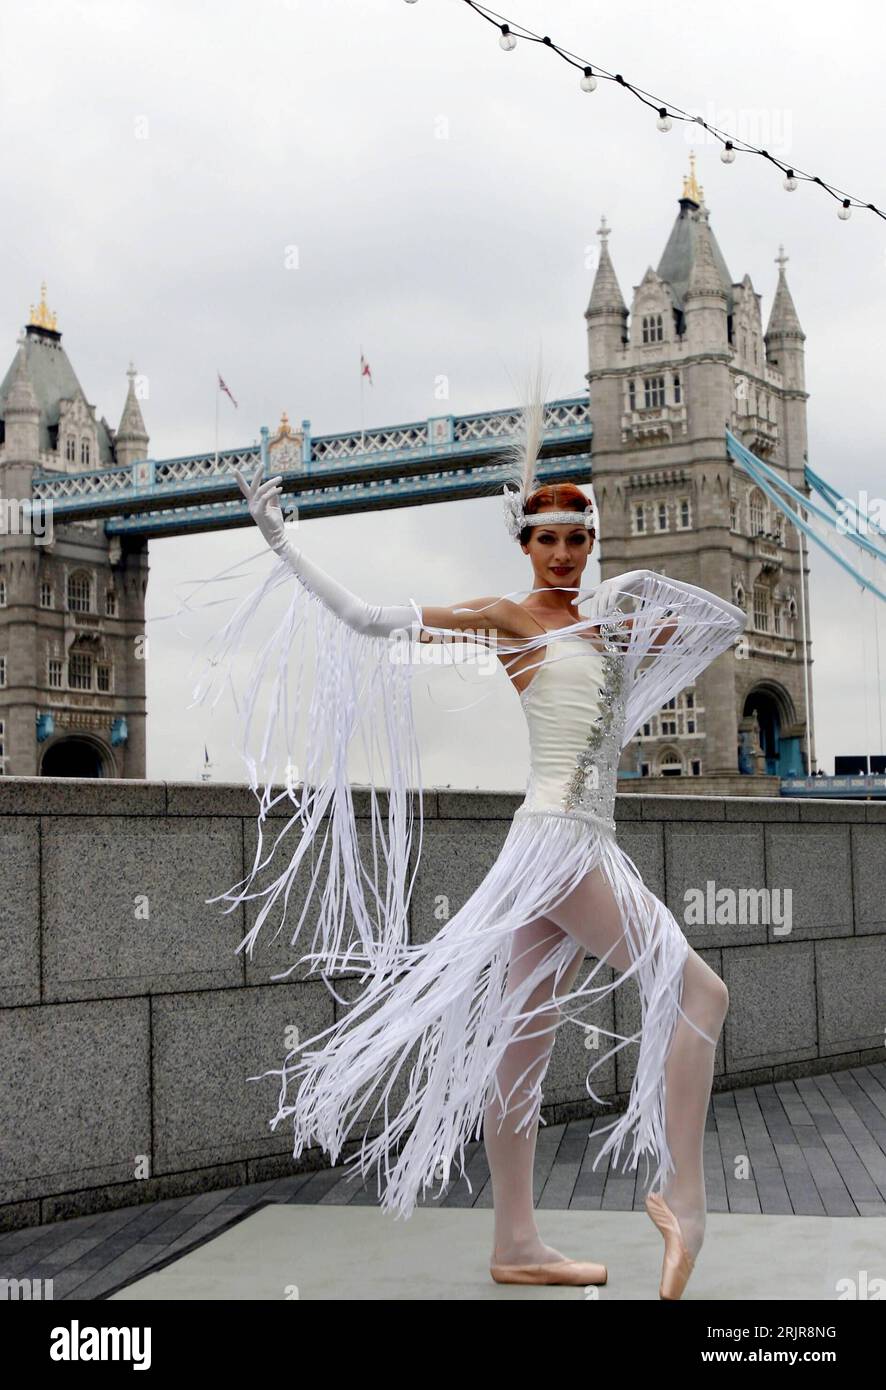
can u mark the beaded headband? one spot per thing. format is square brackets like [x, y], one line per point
[516, 518]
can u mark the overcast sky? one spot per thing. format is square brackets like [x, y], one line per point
[161, 161]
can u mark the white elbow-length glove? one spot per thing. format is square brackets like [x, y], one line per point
[372, 619]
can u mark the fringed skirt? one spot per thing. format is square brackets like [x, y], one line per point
[441, 1019]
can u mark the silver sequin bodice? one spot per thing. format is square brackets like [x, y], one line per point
[575, 710]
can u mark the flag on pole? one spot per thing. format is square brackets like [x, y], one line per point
[223, 387]
[364, 369]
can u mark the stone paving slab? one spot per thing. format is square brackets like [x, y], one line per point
[286, 1252]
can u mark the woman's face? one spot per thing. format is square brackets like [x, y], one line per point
[559, 553]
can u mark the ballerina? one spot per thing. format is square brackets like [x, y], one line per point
[465, 1024]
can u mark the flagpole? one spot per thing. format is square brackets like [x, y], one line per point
[216, 426]
[362, 432]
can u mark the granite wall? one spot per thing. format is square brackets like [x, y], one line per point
[130, 1025]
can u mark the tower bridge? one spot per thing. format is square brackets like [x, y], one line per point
[665, 375]
[444, 459]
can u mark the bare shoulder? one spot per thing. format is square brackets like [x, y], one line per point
[491, 614]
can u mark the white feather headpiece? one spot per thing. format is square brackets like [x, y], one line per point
[519, 464]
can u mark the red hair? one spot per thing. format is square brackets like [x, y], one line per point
[559, 497]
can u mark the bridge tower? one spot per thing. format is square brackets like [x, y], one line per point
[664, 381]
[72, 600]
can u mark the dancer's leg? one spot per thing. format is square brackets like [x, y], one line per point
[591, 916]
[689, 1075]
[511, 1151]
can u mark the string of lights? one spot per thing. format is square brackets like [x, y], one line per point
[667, 112]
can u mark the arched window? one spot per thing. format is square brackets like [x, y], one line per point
[84, 450]
[70, 449]
[79, 592]
[757, 510]
[653, 328]
[678, 389]
[733, 514]
[632, 395]
[670, 764]
[2, 593]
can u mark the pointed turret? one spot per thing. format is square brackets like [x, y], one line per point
[132, 437]
[784, 339]
[704, 277]
[705, 302]
[21, 412]
[607, 313]
[783, 320]
[679, 255]
[606, 296]
[65, 415]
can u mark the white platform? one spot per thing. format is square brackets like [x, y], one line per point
[346, 1252]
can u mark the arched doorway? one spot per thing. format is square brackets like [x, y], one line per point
[73, 757]
[773, 712]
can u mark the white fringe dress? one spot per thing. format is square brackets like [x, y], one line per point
[436, 1018]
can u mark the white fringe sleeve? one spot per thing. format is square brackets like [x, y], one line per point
[362, 694]
[704, 626]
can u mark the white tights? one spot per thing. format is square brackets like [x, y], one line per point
[589, 915]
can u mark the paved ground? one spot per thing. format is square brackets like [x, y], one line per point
[815, 1147]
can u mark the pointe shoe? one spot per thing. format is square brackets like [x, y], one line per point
[555, 1272]
[678, 1263]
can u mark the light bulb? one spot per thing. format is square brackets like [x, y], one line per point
[507, 40]
[845, 212]
[790, 182]
[727, 154]
[664, 121]
[589, 81]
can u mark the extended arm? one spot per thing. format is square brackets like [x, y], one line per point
[374, 620]
[496, 615]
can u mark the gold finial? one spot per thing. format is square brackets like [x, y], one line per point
[285, 430]
[41, 316]
[690, 183]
